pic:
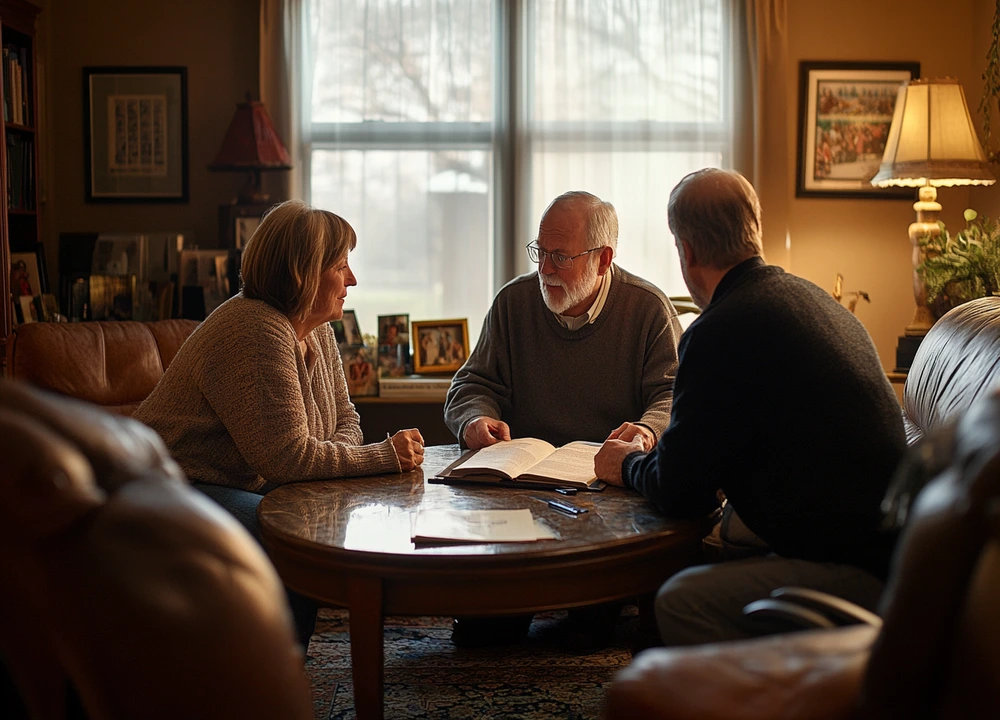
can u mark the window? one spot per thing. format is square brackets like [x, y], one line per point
[441, 129]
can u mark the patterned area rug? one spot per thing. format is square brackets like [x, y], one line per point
[428, 677]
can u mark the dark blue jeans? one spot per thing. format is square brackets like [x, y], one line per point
[242, 504]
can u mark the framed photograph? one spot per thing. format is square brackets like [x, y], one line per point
[203, 276]
[245, 227]
[25, 279]
[135, 134]
[29, 312]
[394, 346]
[346, 329]
[440, 345]
[845, 111]
[359, 369]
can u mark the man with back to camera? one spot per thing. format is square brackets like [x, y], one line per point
[579, 350]
[782, 404]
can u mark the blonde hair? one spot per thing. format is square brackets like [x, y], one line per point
[286, 255]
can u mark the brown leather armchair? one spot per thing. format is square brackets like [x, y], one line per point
[122, 587]
[937, 652]
[112, 364]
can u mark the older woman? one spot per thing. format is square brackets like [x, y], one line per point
[257, 397]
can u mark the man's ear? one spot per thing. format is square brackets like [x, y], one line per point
[690, 256]
[604, 259]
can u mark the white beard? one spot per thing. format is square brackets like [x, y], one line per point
[572, 295]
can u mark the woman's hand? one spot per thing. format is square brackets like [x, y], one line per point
[409, 447]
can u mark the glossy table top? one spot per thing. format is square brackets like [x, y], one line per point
[372, 514]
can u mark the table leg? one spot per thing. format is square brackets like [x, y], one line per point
[367, 656]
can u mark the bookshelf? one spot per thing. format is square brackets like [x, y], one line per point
[19, 231]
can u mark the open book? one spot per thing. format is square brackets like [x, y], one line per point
[528, 462]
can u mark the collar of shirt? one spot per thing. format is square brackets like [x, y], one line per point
[575, 323]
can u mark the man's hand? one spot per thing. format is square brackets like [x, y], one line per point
[627, 432]
[409, 447]
[485, 431]
[608, 461]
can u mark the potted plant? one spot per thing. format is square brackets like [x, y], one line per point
[962, 267]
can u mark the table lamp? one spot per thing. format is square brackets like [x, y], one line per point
[251, 145]
[931, 143]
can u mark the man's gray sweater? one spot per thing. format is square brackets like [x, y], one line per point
[563, 385]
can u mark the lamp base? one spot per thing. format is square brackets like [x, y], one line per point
[906, 349]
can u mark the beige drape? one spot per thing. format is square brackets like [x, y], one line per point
[771, 173]
[281, 68]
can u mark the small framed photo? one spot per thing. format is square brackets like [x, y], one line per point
[29, 311]
[393, 329]
[346, 329]
[135, 134]
[245, 227]
[845, 112]
[359, 369]
[440, 345]
[25, 278]
[203, 276]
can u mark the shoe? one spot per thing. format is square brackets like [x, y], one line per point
[477, 632]
[592, 629]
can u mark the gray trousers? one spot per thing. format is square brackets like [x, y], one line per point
[705, 603]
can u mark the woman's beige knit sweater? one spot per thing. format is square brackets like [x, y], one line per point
[242, 406]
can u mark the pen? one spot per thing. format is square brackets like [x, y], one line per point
[566, 507]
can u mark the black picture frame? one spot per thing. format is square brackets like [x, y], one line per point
[862, 97]
[141, 113]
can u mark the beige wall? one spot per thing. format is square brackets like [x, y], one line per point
[866, 240]
[215, 39]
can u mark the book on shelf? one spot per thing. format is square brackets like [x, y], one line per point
[527, 462]
[474, 526]
[414, 386]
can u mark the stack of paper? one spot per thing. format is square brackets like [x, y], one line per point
[475, 526]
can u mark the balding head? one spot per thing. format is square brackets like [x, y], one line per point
[717, 213]
[600, 218]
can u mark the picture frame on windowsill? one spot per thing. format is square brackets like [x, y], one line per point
[439, 346]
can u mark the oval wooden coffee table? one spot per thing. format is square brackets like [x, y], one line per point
[347, 542]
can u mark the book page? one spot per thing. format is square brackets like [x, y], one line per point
[572, 463]
[473, 526]
[509, 459]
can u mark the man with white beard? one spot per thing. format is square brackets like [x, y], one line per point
[578, 350]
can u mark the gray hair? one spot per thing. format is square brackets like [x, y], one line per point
[602, 219]
[717, 212]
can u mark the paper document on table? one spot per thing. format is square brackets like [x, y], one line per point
[473, 526]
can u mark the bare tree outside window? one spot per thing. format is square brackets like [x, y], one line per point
[409, 129]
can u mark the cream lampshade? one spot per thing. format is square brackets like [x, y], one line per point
[931, 143]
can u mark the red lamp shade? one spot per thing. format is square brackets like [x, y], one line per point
[252, 145]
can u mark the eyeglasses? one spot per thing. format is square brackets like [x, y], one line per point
[563, 262]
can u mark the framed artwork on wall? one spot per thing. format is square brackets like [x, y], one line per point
[845, 111]
[135, 134]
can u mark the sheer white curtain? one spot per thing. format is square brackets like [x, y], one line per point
[442, 128]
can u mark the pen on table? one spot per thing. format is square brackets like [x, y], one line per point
[566, 507]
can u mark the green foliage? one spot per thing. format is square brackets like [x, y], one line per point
[964, 267]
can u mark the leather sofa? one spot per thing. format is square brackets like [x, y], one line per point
[124, 592]
[111, 364]
[936, 651]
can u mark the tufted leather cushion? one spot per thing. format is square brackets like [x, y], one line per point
[112, 364]
[957, 363]
[120, 580]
